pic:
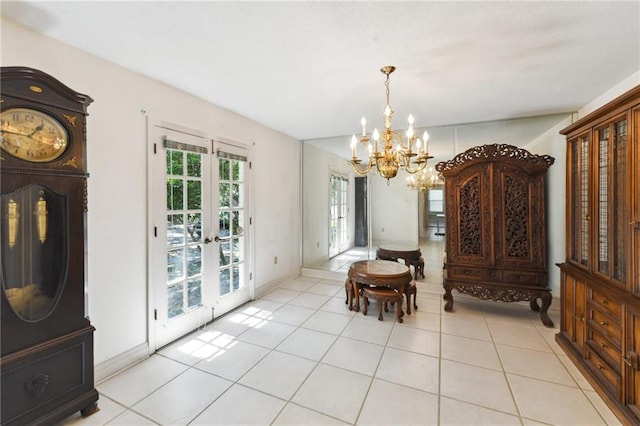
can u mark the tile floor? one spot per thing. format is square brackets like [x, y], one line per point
[299, 356]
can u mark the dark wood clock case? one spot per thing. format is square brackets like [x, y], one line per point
[46, 364]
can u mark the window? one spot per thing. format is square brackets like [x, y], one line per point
[436, 200]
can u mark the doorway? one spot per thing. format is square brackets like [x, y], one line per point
[199, 241]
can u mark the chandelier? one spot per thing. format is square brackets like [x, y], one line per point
[423, 180]
[396, 153]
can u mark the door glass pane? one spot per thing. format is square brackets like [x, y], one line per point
[195, 227]
[231, 187]
[174, 301]
[184, 231]
[175, 230]
[619, 237]
[175, 194]
[194, 165]
[603, 200]
[175, 265]
[581, 189]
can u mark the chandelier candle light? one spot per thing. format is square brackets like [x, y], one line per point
[395, 153]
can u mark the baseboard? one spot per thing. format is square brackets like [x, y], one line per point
[271, 285]
[323, 273]
[106, 369]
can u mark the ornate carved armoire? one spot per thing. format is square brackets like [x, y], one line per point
[495, 237]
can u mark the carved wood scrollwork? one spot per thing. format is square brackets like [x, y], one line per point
[496, 151]
[516, 209]
[469, 211]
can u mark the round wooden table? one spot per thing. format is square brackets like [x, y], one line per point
[381, 273]
[410, 254]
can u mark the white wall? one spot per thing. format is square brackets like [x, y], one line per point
[554, 144]
[394, 210]
[317, 165]
[117, 156]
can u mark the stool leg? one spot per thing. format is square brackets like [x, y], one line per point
[366, 305]
[380, 310]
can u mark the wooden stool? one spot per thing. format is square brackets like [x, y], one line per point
[410, 290]
[419, 268]
[382, 295]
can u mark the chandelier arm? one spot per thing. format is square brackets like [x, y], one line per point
[358, 170]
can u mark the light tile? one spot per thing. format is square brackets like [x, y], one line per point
[267, 333]
[535, 364]
[457, 413]
[139, 381]
[327, 322]
[308, 344]
[522, 336]
[424, 342]
[261, 308]
[278, 374]
[108, 410]
[292, 315]
[233, 324]
[184, 397]
[310, 300]
[392, 404]
[470, 351]
[369, 331]
[231, 408]
[427, 304]
[281, 295]
[354, 355]
[326, 289]
[461, 325]
[337, 305]
[355, 377]
[129, 418]
[294, 415]
[553, 403]
[410, 369]
[297, 284]
[333, 391]
[608, 416]
[470, 384]
[193, 348]
[233, 361]
[574, 372]
[423, 320]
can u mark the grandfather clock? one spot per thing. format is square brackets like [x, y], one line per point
[46, 338]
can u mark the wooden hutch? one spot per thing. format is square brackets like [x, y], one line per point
[600, 279]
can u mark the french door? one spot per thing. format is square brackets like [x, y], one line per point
[199, 210]
[338, 214]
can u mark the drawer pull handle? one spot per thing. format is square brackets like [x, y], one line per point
[35, 385]
[603, 323]
[602, 345]
[600, 367]
[603, 301]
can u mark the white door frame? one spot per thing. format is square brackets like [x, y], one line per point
[207, 314]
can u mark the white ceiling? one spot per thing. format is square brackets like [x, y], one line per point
[311, 69]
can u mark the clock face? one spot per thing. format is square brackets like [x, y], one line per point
[32, 135]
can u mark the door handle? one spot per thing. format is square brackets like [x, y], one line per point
[216, 239]
[208, 240]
